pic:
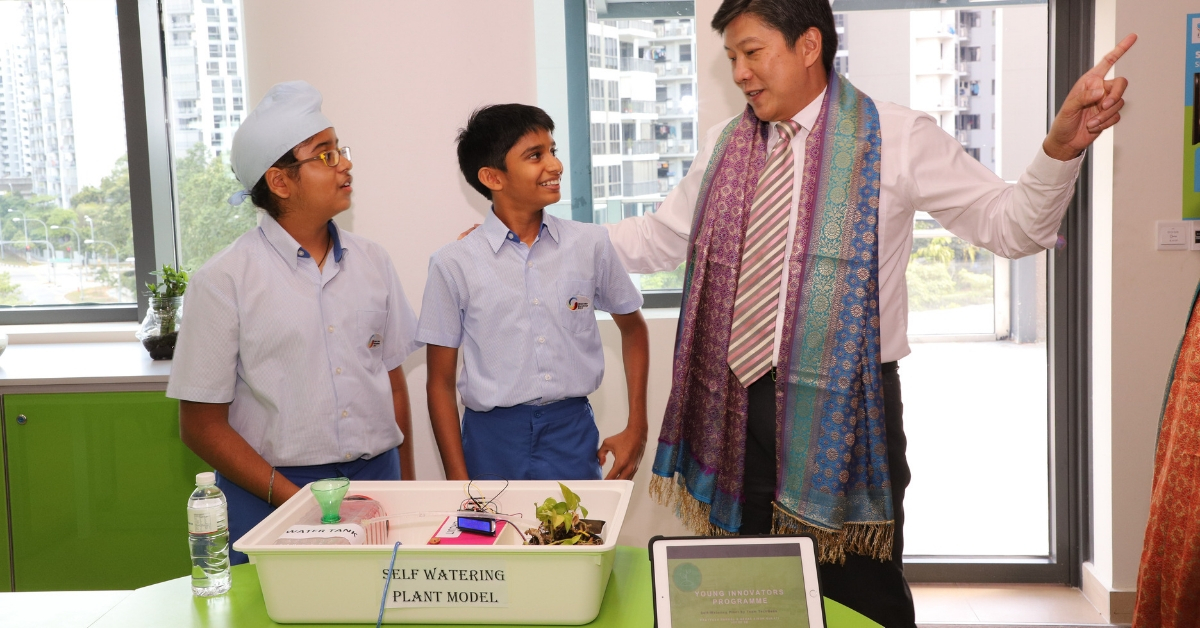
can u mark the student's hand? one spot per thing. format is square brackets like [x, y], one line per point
[627, 448]
[468, 231]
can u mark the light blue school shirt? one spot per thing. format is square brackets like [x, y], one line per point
[302, 355]
[525, 317]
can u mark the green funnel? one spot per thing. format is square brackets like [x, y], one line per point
[329, 494]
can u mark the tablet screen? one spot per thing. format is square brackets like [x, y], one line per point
[759, 583]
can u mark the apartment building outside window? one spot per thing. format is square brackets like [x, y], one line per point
[970, 312]
[643, 90]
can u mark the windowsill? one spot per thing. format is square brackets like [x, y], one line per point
[966, 604]
[650, 313]
[123, 331]
[71, 332]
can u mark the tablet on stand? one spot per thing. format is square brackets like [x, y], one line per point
[702, 582]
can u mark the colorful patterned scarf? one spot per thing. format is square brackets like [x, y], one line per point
[832, 455]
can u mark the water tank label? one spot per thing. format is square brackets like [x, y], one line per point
[352, 532]
[458, 582]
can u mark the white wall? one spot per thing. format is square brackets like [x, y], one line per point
[1142, 296]
[717, 96]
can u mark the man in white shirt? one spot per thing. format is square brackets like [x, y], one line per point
[781, 52]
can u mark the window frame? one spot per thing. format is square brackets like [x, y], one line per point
[576, 16]
[140, 38]
[1070, 26]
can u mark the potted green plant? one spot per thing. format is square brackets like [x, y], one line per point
[561, 523]
[161, 326]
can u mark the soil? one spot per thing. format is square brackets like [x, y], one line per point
[161, 347]
[587, 529]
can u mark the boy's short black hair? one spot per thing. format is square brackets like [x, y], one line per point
[261, 194]
[490, 133]
[792, 18]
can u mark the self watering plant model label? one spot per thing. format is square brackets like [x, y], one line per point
[446, 582]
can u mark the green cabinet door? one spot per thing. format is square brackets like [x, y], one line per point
[5, 558]
[98, 487]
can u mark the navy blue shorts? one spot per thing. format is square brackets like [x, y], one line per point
[557, 441]
[247, 510]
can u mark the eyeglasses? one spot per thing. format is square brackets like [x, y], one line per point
[330, 158]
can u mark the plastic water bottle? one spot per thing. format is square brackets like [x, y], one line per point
[208, 536]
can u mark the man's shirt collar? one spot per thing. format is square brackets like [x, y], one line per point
[807, 116]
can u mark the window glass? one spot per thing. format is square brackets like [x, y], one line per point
[65, 227]
[650, 102]
[202, 134]
[977, 322]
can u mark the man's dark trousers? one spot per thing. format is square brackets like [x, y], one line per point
[876, 589]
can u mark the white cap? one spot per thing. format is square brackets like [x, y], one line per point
[289, 114]
[207, 478]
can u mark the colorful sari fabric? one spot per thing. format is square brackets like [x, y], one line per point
[832, 455]
[1168, 590]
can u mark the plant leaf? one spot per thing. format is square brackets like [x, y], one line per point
[571, 541]
[569, 497]
[584, 510]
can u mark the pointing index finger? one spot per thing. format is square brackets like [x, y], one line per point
[1113, 55]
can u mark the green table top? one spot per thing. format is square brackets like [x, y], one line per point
[627, 603]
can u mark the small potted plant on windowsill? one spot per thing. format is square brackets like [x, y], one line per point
[161, 326]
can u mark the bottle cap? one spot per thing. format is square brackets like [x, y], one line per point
[207, 478]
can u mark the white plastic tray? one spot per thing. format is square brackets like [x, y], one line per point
[343, 584]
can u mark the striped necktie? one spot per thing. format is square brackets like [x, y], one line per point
[752, 338]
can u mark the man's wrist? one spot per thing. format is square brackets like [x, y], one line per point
[1061, 152]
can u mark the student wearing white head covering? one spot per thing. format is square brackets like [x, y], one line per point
[289, 369]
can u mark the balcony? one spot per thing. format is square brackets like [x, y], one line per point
[675, 30]
[635, 64]
[941, 31]
[673, 109]
[641, 188]
[640, 147]
[628, 105]
[602, 190]
[676, 147]
[675, 69]
[634, 25]
[946, 68]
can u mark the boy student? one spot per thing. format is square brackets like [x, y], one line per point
[288, 369]
[519, 296]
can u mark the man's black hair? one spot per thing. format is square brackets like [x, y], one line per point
[261, 194]
[490, 133]
[792, 18]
